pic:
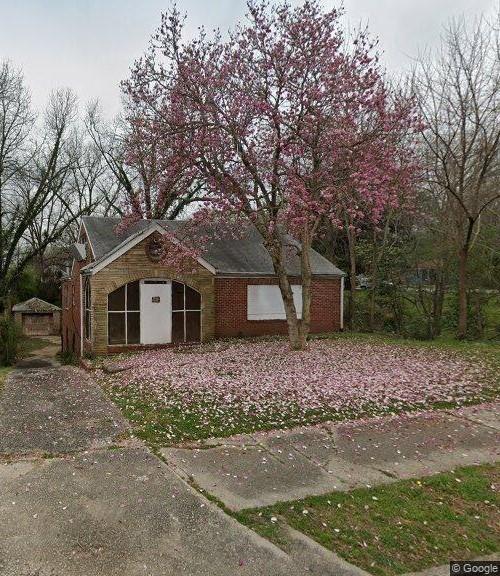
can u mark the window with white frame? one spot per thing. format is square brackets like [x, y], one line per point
[124, 315]
[264, 302]
[186, 313]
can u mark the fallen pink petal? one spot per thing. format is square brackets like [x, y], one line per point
[250, 385]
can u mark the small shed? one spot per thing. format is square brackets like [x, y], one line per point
[37, 317]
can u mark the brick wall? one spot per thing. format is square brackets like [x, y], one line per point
[231, 308]
[135, 265]
[71, 306]
[70, 314]
[224, 302]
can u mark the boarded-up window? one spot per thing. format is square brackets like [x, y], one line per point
[265, 302]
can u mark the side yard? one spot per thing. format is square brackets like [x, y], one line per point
[237, 386]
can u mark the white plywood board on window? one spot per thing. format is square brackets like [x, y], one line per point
[264, 302]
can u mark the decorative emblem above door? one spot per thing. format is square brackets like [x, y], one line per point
[154, 248]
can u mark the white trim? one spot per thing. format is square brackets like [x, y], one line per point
[129, 243]
[125, 311]
[81, 316]
[82, 224]
[342, 303]
[73, 260]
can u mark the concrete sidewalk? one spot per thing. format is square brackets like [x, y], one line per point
[264, 468]
[104, 506]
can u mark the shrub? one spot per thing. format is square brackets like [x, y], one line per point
[68, 358]
[9, 340]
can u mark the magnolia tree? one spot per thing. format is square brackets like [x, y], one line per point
[285, 124]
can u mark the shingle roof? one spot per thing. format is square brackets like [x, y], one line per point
[35, 305]
[232, 256]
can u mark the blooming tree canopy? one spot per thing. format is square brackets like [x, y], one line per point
[284, 124]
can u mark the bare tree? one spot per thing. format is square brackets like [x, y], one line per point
[45, 179]
[459, 94]
[137, 168]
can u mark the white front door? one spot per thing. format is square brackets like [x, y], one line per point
[156, 312]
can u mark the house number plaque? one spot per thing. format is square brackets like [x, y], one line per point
[155, 299]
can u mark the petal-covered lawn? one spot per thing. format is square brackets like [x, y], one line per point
[239, 386]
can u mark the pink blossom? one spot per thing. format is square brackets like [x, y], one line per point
[263, 383]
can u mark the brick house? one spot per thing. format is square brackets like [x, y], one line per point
[119, 297]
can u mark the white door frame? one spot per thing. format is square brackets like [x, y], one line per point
[156, 318]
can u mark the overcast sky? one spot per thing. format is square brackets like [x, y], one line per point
[88, 45]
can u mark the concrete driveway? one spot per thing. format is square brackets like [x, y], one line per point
[79, 498]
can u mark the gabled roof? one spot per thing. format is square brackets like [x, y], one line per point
[35, 305]
[78, 251]
[244, 256]
[129, 242]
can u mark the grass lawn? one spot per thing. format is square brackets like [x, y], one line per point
[230, 387]
[396, 528]
[4, 370]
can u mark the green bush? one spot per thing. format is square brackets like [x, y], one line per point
[68, 358]
[9, 341]
[482, 314]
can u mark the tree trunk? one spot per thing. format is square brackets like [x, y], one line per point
[305, 260]
[352, 278]
[374, 279]
[294, 329]
[462, 292]
[295, 336]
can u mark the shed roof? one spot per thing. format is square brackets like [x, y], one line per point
[245, 255]
[35, 305]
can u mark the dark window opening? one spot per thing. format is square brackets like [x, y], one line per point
[186, 314]
[177, 327]
[133, 328]
[116, 300]
[116, 328]
[87, 299]
[177, 296]
[124, 315]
